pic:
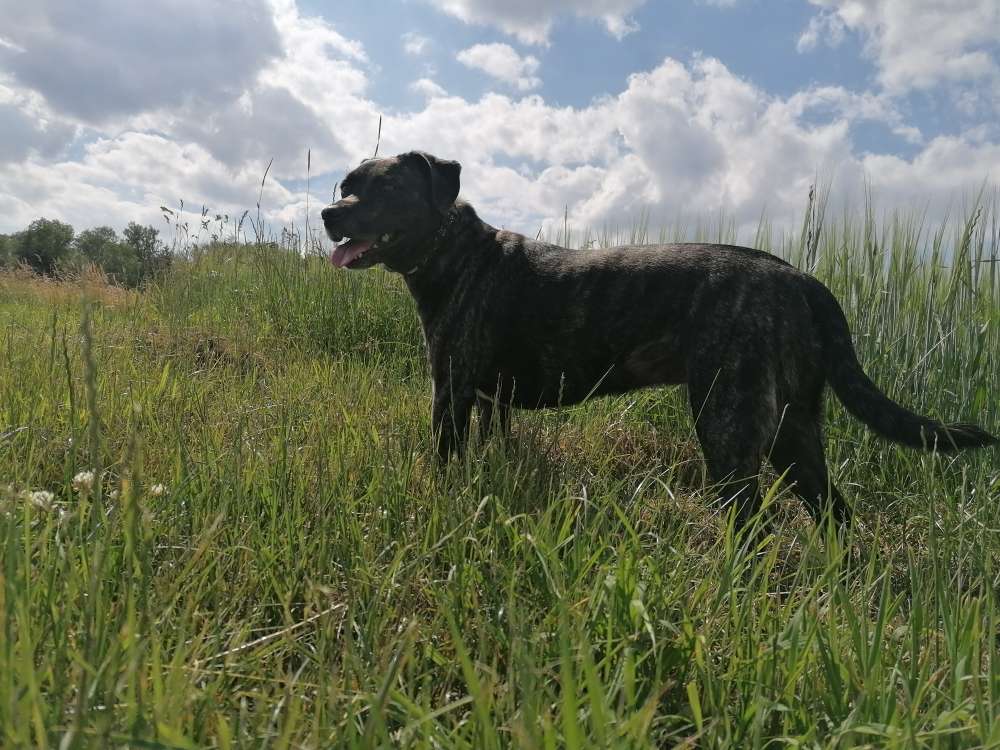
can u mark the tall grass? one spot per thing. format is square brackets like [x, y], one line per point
[268, 557]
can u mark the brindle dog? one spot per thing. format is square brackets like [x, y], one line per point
[510, 321]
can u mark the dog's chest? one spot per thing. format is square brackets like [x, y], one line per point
[552, 368]
[660, 361]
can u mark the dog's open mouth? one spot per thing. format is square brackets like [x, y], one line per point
[350, 249]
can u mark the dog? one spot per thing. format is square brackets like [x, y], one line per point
[513, 322]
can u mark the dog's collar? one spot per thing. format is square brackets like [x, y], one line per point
[449, 219]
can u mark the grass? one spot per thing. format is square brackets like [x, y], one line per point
[268, 557]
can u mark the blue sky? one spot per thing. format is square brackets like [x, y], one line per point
[582, 60]
[607, 109]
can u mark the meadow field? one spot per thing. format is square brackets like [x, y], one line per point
[223, 527]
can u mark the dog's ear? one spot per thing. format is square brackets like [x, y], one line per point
[442, 178]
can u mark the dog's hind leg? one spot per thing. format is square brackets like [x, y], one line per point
[734, 416]
[798, 450]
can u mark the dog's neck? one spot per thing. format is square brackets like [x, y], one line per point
[440, 261]
[435, 252]
[438, 240]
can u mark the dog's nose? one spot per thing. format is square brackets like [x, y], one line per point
[329, 213]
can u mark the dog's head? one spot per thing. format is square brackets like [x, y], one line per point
[388, 205]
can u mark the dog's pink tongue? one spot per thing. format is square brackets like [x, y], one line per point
[344, 254]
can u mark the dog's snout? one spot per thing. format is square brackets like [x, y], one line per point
[334, 212]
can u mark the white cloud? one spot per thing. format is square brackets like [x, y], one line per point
[142, 56]
[501, 61]
[949, 168]
[700, 140]
[678, 140]
[311, 94]
[253, 130]
[415, 44]
[23, 135]
[531, 20]
[315, 89]
[7, 44]
[855, 108]
[128, 178]
[325, 72]
[917, 44]
[825, 26]
[28, 125]
[428, 88]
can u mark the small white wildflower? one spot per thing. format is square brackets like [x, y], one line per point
[40, 499]
[113, 495]
[83, 481]
[157, 489]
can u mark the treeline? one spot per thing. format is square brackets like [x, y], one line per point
[52, 248]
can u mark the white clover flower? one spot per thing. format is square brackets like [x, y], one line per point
[40, 499]
[158, 489]
[84, 481]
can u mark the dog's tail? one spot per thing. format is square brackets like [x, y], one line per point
[864, 400]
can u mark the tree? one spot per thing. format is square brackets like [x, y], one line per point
[118, 260]
[43, 244]
[145, 241]
[92, 243]
[6, 251]
[153, 255]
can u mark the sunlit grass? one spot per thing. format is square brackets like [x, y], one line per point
[222, 527]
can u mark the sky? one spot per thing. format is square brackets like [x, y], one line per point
[604, 111]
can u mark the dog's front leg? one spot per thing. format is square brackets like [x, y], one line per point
[450, 416]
